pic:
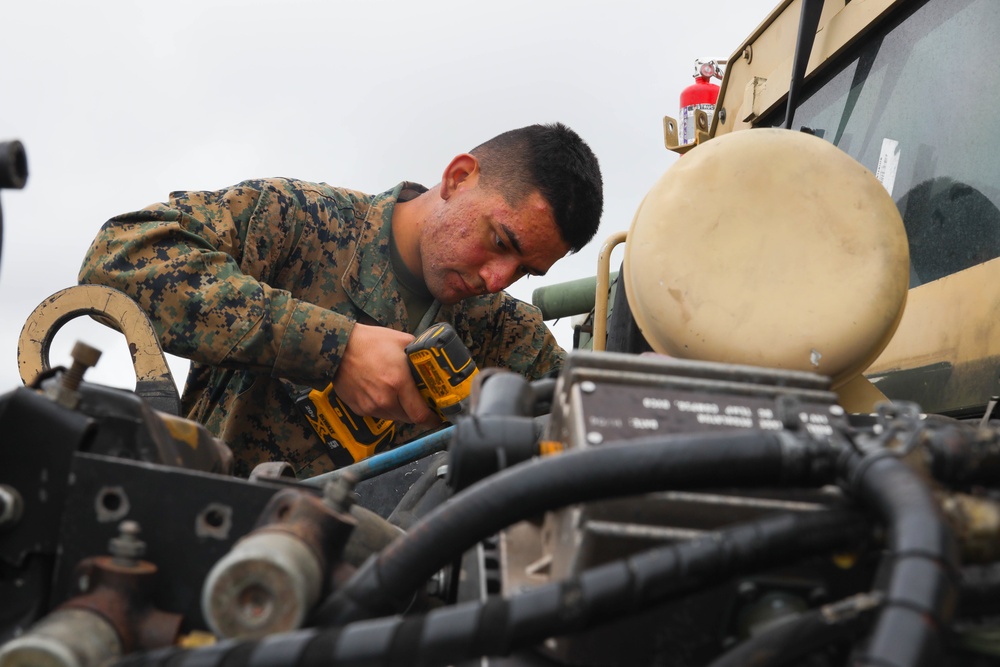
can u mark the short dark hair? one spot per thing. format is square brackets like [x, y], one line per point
[554, 160]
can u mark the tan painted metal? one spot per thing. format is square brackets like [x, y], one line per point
[758, 72]
[672, 140]
[114, 308]
[601, 296]
[768, 248]
[965, 358]
[952, 323]
[858, 394]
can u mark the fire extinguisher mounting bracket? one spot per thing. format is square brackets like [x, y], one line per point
[671, 139]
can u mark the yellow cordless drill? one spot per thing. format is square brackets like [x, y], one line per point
[443, 370]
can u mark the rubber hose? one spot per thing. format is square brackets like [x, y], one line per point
[920, 590]
[790, 640]
[385, 583]
[499, 626]
[503, 393]
[544, 391]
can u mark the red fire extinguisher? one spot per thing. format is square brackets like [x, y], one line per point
[702, 94]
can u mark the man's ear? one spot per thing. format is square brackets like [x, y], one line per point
[462, 171]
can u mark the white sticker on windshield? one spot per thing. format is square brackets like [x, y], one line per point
[888, 161]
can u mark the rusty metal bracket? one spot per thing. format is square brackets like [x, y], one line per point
[153, 380]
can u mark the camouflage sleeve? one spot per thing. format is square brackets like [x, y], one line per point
[512, 336]
[200, 265]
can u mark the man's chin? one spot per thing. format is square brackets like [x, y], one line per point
[448, 295]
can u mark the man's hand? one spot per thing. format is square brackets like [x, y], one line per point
[374, 377]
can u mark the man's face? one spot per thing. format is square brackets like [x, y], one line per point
[477, 243]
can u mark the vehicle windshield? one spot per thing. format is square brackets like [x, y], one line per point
[916, 104]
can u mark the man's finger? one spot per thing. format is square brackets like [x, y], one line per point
[414, 406]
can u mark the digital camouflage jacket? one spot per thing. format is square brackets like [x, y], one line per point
[264, 281]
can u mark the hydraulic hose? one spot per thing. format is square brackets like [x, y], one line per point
[386, 582]
[920, 587]
[499, 626]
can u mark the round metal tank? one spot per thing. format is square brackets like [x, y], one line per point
[770, 248]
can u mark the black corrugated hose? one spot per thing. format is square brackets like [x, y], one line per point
[918, 595]
[918, 591]
[386, 582]
[500, 625]
[920, 588]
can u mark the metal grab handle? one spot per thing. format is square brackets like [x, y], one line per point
[153, 380]
[601, 296]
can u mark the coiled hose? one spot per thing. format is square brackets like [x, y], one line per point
[918, 593]
[500, 626]
[386, 582]
[920, 587]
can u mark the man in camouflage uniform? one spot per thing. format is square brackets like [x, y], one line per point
[275, 286]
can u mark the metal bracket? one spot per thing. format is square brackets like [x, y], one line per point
[671, 138]
[153, 380]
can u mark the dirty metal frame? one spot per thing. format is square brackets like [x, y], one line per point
[153, 379]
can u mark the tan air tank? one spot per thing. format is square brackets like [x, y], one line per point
[768, 248]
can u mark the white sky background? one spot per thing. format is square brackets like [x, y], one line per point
[120, 102]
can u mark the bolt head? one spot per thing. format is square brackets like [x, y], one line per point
[85, 354]
[127, 547]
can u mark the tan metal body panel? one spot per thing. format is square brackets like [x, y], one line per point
[949, 339]
[758, 72]
[946, 351]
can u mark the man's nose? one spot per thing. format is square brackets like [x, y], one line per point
[499, 273]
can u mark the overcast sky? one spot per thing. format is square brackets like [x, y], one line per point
[118, 103]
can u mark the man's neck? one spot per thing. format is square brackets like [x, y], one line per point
[406, 218]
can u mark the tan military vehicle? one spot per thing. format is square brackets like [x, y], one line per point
[745, 495]
[897, 86]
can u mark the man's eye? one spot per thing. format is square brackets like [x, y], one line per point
[500, 244]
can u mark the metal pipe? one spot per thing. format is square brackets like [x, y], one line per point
[601, 295]
[573, 297]
[390, 460]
